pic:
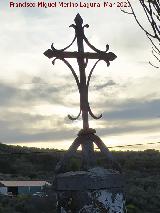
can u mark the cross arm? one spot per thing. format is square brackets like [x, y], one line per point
[59, 54]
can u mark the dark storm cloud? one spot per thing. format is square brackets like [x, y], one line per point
[15, 127]
[17, 135]
[18, 119]
[107, 84]
[52, 135]
[11, 95]
[7, 93]
[134, 109]
[39, 91]
[132, 116]
[18, 127]
[125, 127]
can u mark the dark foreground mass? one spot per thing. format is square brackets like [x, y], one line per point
[141, 171]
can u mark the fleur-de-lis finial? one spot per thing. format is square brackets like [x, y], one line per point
[78, 19]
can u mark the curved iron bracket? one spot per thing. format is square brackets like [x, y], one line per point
[107, 57]
[61, 50]
[77, 81]
[72, 70]
[74, 118]
[91, 71]
[94, 116]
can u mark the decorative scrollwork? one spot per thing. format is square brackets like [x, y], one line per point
[61, 50]
[74, 118]
[94, 116]
[107, 57]
[71, 68]
[94, 48]
[91, 71]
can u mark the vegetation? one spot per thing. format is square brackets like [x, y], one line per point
[27, 204]
[141, 171]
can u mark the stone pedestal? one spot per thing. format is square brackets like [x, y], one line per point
[94, 191]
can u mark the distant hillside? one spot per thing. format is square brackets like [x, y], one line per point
[4, 148]
[18, 162]
[31, 162]
[141, 171]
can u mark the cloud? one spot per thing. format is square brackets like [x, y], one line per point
[18, 136]
[133, 109]
[23, 127]
[37, 91]
[34, 100]
[107, 84]
[125, 128]
[21, 121]
[132, 116]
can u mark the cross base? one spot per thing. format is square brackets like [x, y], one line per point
[86, 139]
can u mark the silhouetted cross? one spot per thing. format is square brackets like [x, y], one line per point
[82, 59]
[86, 136]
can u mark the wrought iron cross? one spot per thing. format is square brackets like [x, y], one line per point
[82, 59]
[86, 136]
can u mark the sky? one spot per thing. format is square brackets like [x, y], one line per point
[36, 97]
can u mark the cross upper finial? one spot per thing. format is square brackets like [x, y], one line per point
[78, 19]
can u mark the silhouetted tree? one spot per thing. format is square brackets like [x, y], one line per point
[152, 11]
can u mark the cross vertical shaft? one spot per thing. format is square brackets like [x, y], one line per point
[81, 63]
